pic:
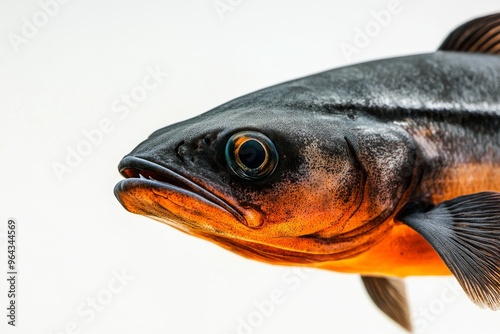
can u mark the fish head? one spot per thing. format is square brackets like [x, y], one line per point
[277, 185]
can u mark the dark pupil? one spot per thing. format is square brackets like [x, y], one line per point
[252, 154]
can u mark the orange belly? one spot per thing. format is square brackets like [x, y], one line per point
[402, 253]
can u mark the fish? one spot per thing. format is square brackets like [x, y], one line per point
[385, 169]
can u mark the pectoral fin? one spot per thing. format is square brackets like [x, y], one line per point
[465, 232]
[389, 294]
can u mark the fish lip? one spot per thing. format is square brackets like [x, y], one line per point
[132, 168]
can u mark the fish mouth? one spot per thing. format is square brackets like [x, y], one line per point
[146, 179]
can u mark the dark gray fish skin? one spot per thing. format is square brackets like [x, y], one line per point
[456, 93]
[453, 82]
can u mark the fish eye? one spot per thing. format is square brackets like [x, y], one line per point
[251, 155]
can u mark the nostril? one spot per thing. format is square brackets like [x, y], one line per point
[187, 151]
[178, 152]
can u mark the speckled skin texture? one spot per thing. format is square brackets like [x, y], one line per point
[356, 144]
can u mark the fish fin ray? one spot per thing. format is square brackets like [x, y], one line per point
[465, 232]
[481, 35]
[389, 294]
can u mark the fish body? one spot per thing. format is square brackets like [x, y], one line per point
[453, 120]
[388, 169]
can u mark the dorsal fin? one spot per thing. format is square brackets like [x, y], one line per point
[481, 35]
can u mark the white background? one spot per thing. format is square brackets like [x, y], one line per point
[73, 234]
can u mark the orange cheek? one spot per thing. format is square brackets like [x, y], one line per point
[321, 199]
[301, 210]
